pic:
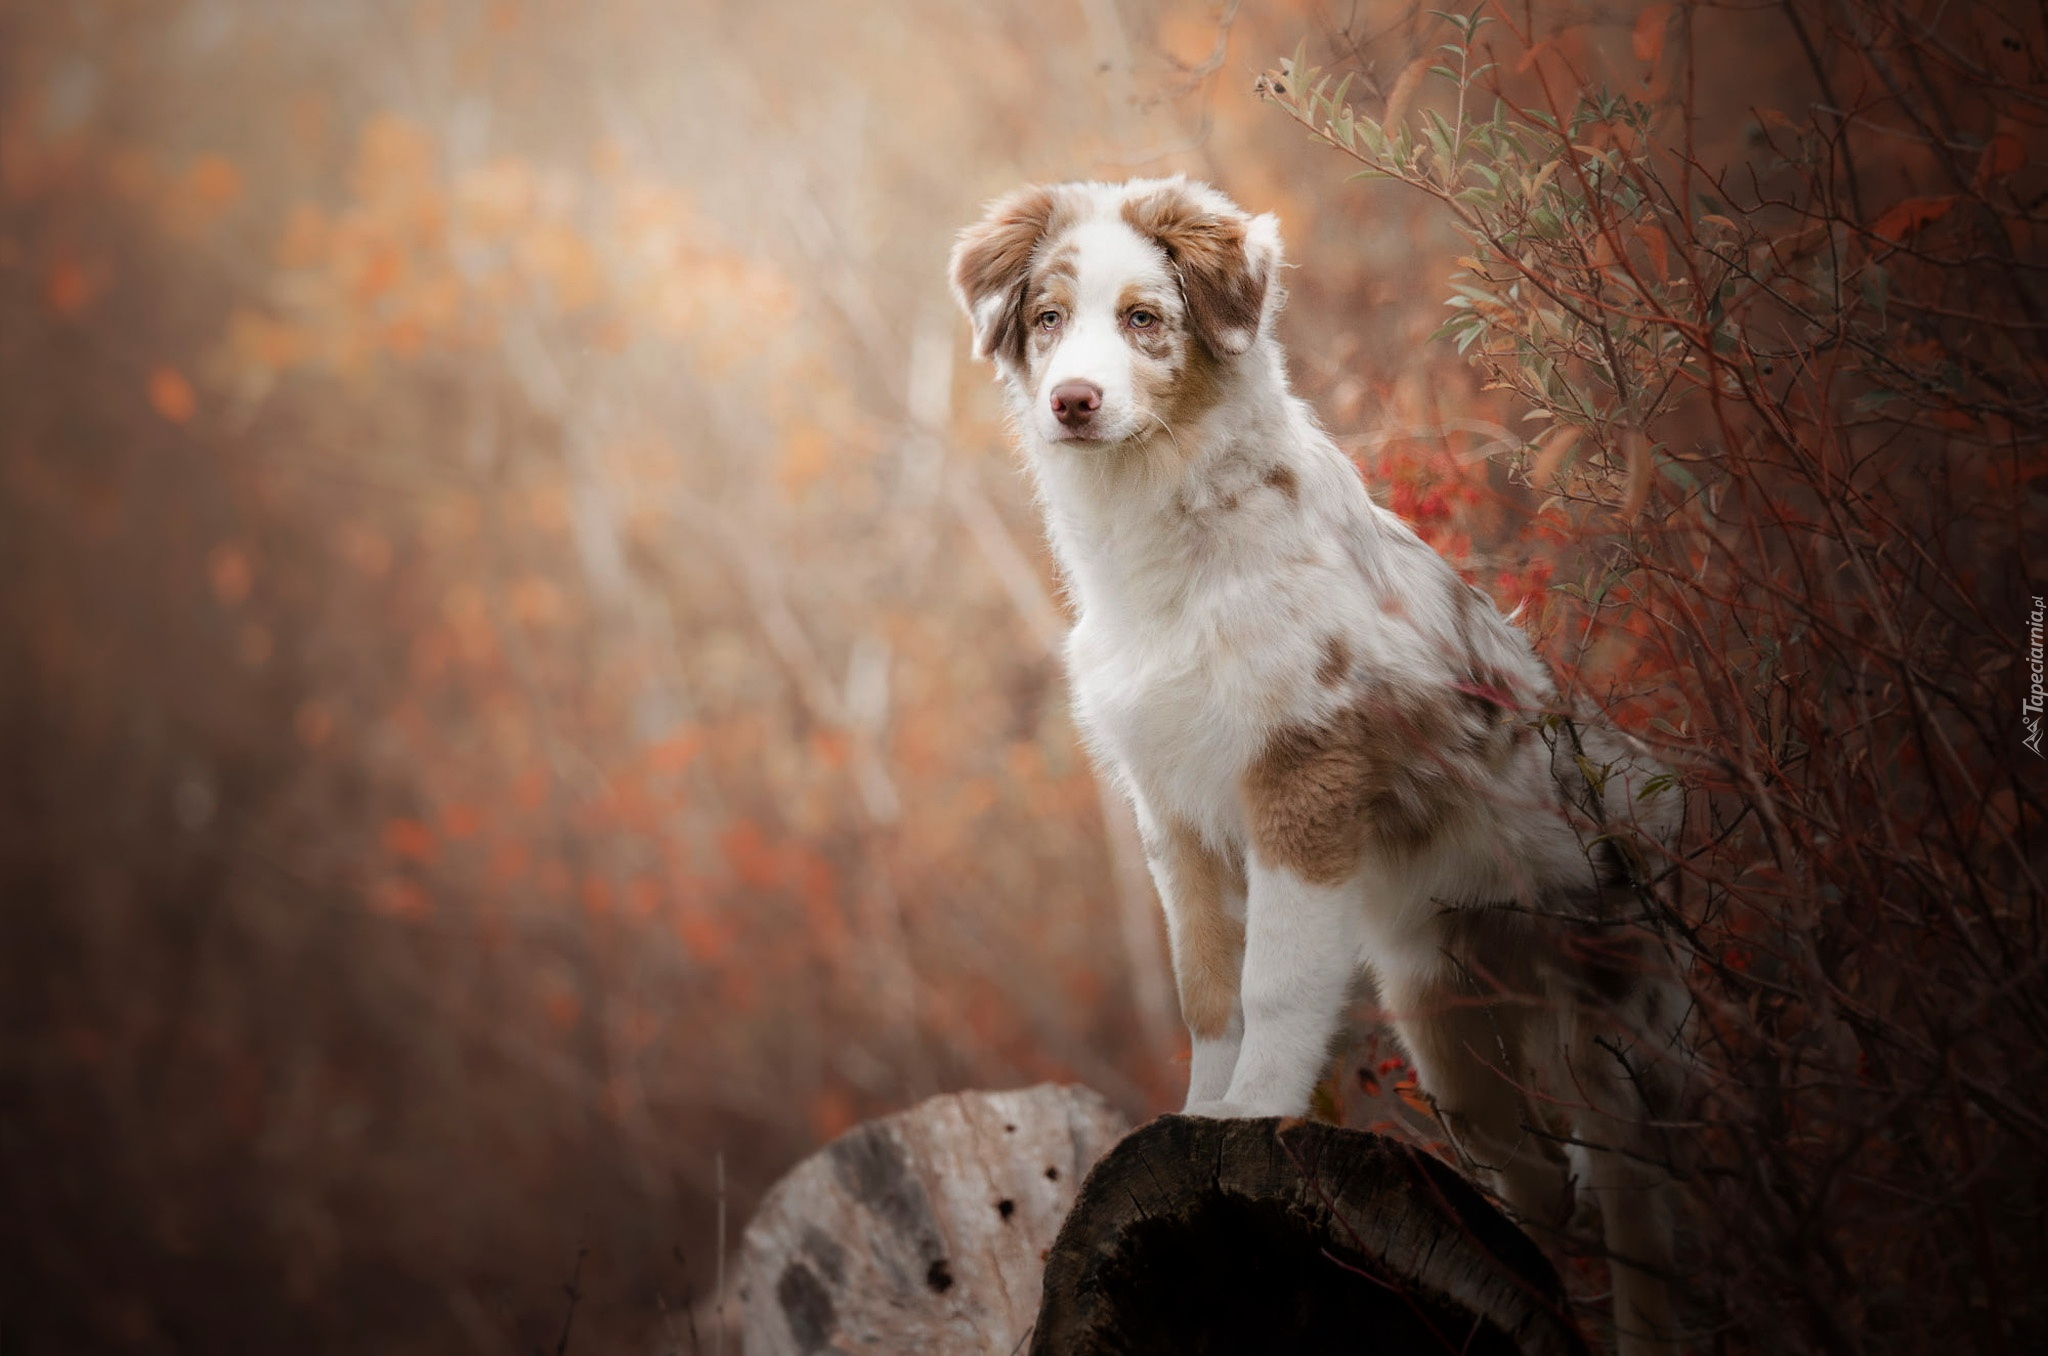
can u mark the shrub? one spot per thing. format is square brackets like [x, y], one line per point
[1787, 401]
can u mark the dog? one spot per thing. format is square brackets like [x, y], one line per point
[1341, 756]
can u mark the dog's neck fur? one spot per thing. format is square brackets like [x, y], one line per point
[1134, 527]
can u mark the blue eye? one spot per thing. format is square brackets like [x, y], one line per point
[1142, 320]
[1049, 320]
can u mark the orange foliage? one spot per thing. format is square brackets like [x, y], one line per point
[753, 860]
[1647, 39]
[400, 898]
[313, 723]
[410, 840]
[214, 182]
[573, 608]
[68, 288]
[231, 573]
[170, 395]
[1901, 222]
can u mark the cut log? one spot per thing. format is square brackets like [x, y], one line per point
[924, 1232]
[1251, 1236]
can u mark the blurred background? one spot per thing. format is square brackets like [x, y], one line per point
[527, 691]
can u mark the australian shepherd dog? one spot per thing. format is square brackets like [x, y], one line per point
[1342, 757]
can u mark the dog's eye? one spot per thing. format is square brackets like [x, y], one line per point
[1142, 320]
[1048, 320]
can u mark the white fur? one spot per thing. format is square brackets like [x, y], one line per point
[1091, 346]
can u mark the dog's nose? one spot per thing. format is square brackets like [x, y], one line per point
[1075, 402]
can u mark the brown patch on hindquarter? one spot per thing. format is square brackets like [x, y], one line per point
[1392, 769]
[1208, 944]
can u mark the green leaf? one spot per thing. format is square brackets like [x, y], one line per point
[1680, 476]
[1456, 325]
[1596, 774]
[1439, 133]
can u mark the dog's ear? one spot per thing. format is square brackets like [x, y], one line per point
[991, 262]
[1228, 261]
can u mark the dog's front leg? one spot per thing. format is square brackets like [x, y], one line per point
[1202, 890]
[1301, 950]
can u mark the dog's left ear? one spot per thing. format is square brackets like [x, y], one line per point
[991, 263]
[1228, 260]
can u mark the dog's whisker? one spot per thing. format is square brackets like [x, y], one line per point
[1170, 436]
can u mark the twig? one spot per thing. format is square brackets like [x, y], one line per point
[574, 1290]
[718, 1333]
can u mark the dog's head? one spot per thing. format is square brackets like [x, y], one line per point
[1111, 308]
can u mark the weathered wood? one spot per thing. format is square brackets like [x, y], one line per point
[924, 1231]
[1250, 1236]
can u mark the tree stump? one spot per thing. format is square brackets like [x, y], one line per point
[1198, 1237]
[923, 1232]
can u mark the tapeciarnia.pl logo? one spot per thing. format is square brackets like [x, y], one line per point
[2030, 709]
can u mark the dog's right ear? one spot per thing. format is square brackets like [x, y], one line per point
[992, 260]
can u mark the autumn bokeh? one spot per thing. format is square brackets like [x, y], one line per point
[527, 658]
[526, 665]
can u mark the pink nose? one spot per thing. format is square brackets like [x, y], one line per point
[1074, 403]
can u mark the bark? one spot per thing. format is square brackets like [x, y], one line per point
[923, 1232]
[1202, 1236]
[964, 1225]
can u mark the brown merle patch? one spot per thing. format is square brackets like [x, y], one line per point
[1226, 294]
[1282, 479]
[1336, 661]
[992, 261]
[1181, 383]
[1208, 944]
[1391, 769]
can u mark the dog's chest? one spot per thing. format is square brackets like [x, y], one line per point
[1183, 699]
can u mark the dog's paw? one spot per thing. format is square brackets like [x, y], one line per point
[1216, 1109]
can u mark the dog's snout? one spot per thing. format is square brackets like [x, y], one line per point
[1075, 402]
